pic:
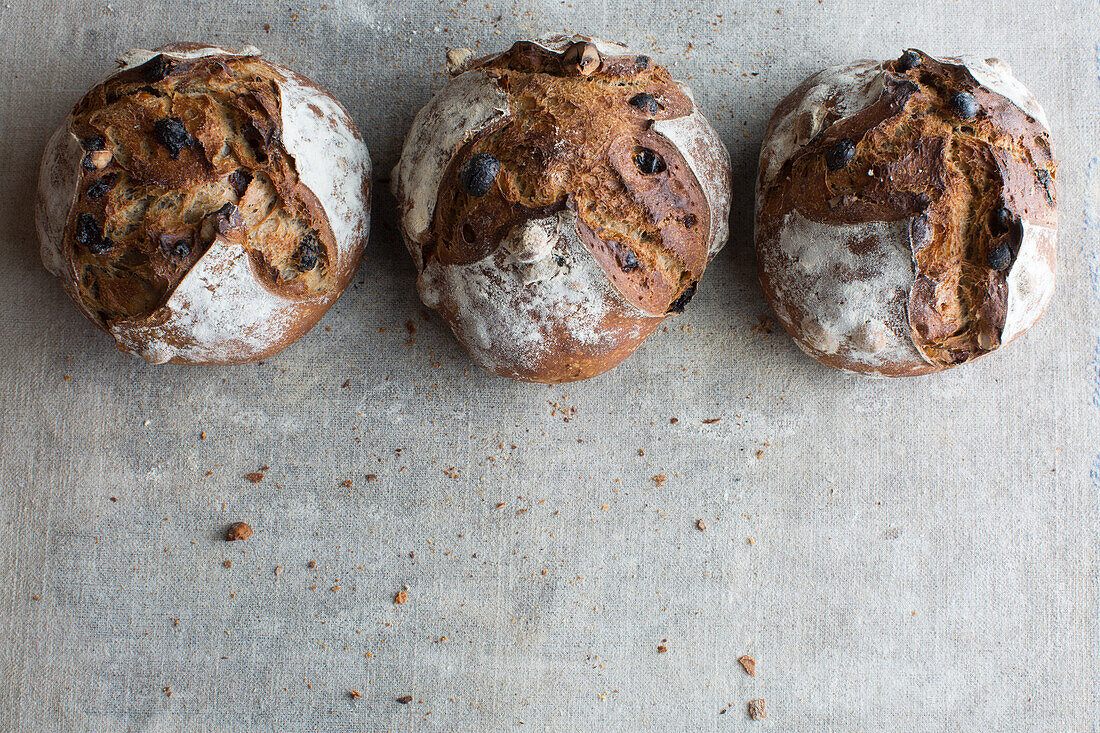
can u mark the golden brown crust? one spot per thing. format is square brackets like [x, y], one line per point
[177, 152]
[965, 164]
[572, 141]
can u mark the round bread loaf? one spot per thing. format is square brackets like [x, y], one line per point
[559, 200]
[906, 213]
[204, 206]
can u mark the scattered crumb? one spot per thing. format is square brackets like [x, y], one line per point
[202, 435]
[168, 691]
[756, 709]
[400, 598]
[335, 588]
[311, 564]
[372, 477]
[748, 663]
[759, 454]
[661, 648]
[410, 326]
[35, 598]
[238, 531]
[255, 477]
[660, 479]
[346, 384]
[405, 699]
[502, 504]
[641, 451]
[701, 525]
[673, 420]
[354, 694]
[711, 420]
[278, 570]
[752, 541]
[346, 483]
[228, 563]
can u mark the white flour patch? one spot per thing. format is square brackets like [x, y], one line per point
[507, 312]
[467, 105]
[1031, 280]
[850, 284]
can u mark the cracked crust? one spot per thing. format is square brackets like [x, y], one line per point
[605, 196]
[204, 206]
[906, 213]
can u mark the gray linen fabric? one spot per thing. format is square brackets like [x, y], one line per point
[916, 555]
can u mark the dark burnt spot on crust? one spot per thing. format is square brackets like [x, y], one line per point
[681, 302]
[185, 151]
[1000, 257]
[1043, 176]
[157, 68]
[579, 143]
[965, 105]
[935, 146]
[102, 185]
[171, 133]
[175, 248]
[628, 260]
[479, 173]
[308, 252]
[645, 103]
[239, 180]
[89, 235]
[907, 62]
[648, 162]
[840, 154]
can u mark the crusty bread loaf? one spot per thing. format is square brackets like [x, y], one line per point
[559, 200]
[906, 213]
[204, 206]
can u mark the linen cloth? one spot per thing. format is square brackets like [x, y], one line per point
[908, 555]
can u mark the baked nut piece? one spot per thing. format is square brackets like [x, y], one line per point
[906, 213]
[204, 206]
[559, 200]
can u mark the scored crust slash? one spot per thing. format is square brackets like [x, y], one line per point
[560, 199]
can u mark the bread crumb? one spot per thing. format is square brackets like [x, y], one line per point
[405, 699]
[354, 694]
[748, 663]
[346, 483]
[311, 564]
[228, 563]
[372, 477]
[756, 709]
[400, 598]
[701, 525]
[661, 648]
[660, 479]
[168, 691]
[759, 454]
[238, 531]
[278, 570]
[673, 420]
[255, 477]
